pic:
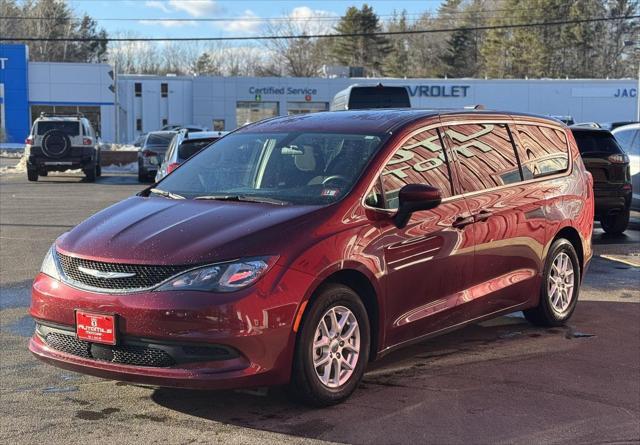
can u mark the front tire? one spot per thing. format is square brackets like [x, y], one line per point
[560, 286]
[616, 224]
[332, 349]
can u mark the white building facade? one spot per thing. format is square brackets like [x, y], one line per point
[125, 106]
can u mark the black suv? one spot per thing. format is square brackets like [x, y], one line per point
[609, 166]
[59, 143]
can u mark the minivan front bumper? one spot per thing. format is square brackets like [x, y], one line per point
[176, 339]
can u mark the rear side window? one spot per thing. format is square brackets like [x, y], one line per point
[596, 142]
[379, 97]
[420, 160]
[190, 147]
[70, 128]
[485, 155]
[543, 150]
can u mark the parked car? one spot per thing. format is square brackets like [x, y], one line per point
[628, 136]
[566, 119]
[359, 97]
[178, 127]
[184, 145]
[609, 165]
[613, 125]
[60, 143]
[139, 141]
[296, 250]
[152, 152]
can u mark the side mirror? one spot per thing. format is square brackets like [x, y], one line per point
[415, 197]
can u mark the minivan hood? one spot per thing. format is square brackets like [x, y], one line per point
[164, 231]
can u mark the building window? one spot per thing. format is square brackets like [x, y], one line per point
[138, 124]
[138, 89]
[247, 112]
[164, 89]
[306, 107]
[218, 125]
[165, 122]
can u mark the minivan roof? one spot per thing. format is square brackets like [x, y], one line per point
[373, 121]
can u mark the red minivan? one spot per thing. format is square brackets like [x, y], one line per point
[300, 248]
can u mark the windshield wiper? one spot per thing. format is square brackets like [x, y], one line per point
[243, 198]
[166, 194]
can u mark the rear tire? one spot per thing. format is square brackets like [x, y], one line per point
[91, 173]
[560, 286]
[616, 224]
[344, 351]
[32, 175]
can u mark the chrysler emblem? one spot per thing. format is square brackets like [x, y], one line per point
[105, 275]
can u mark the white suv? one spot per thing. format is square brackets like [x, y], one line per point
[59, 143]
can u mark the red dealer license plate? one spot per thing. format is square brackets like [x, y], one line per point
[96, 328]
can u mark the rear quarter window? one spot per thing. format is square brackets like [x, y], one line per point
[69, 128]
[542, 150]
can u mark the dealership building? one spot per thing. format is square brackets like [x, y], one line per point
[122, 107]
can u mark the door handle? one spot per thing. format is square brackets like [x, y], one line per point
[482, 215]
[462, 221]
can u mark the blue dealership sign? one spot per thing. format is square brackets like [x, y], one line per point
[14, 77]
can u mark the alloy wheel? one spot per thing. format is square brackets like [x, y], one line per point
[561, 282]
[336, 346]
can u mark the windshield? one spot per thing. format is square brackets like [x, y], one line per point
[630, 141]
[299, 168]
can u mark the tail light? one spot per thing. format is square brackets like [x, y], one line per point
[171, 167]
[28, 141]
[87, 141]
[619, 159]
[149, 153]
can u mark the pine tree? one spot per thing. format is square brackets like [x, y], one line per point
[366, 50]
[396, 64]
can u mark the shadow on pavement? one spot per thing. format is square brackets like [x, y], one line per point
[465, 386]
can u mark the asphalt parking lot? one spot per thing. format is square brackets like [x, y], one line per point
[502, 381]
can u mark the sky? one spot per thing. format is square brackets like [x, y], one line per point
[243, 14]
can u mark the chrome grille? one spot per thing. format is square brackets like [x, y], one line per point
[144, 276]
[125, 354]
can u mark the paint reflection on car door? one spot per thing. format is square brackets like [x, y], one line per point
[428, 262]
[509, 227]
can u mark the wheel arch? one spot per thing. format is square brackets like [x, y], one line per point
[366, 290]
[573, 236]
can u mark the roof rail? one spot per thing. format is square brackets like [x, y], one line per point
[475, 107]
[588, 124]
[45, 114]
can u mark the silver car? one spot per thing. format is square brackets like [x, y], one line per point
[184, 145]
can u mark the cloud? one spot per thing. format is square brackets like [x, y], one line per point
[158, 5]
[195, 8]
[245, 23]
[312, 21]
[167, 23]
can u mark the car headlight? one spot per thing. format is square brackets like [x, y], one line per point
[223, 277]
[50, 265]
